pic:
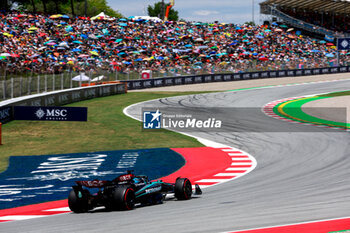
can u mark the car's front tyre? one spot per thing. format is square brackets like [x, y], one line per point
[183, 189]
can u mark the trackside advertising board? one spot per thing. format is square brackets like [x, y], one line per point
[194, 79]
[50, 113]
[6, 114]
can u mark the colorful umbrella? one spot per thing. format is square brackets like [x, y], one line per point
[55, 16]
[94, 53]
[5, 55]
[263, 59]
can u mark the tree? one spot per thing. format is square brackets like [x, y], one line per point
[156, 10]
[4, 5]
[94, 7]
[72, 7]
[76, 7]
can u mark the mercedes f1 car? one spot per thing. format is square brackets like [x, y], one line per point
[125, 191]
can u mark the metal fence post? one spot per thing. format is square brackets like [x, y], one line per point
[20, 86]
[62, 81]
[71, 81]
[29, 84]
[38, 82]
[4, 89]
[12, 83]
[45, 82]
[53, 82]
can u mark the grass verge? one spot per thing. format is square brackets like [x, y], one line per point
[107, 128]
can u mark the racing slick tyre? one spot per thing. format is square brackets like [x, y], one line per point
[123, 198]
[183, 189]
[78, 201]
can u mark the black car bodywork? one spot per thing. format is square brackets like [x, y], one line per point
[125, 191]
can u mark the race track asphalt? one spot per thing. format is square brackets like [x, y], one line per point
[302, 174]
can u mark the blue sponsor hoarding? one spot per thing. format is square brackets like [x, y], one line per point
[50, 113]
[6, 114]
[343, 44]
[37, 179]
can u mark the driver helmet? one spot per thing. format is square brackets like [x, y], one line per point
[137, 180]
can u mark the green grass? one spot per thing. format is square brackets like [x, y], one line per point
[335, 94]
[107, 128]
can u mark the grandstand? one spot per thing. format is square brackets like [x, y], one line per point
[324, 17]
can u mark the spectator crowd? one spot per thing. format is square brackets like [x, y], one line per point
[53, 44]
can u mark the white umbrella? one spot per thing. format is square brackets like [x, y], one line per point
[63, 44]
[5, 55]
[99, 78]
[82, 77]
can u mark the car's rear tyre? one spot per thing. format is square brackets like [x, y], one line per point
[123, 198]
[183, 189]
[78, 201]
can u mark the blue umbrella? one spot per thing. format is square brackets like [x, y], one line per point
[118, 40]
[65, 17]
[160, 58]
[77, 42]
[329, 55]
[69, 28]
[123, 24]
[139, 59]
[202, 47]
[322, 42]
[76, 50]
[105, 31]
[315, 51]
[123, 20]
[188, 46]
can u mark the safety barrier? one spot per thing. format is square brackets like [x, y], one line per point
[58, 98]
[195, 79]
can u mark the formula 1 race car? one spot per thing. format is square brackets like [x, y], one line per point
[125, 191]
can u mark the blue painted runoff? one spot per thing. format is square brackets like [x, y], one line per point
[37, 179]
